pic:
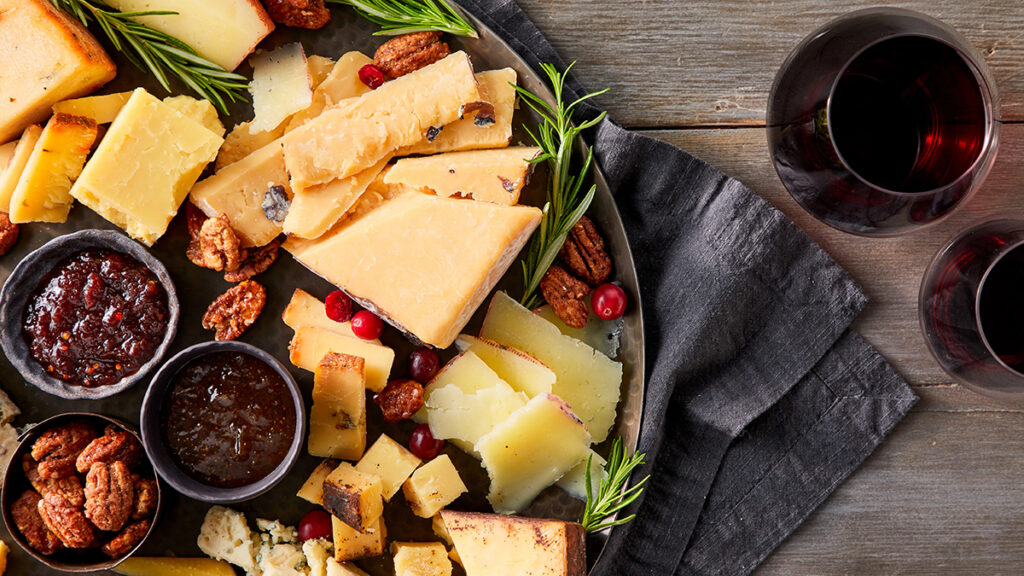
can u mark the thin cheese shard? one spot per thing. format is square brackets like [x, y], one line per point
[421, 262]
[496, 176]
[315, 209]
[16, 164]
[103, 109]
[340, 84]
[281, 85]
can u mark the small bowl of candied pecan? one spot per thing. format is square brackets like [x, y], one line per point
[80, 494]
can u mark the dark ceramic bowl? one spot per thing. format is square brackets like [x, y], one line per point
[15, 483]
[21, 285]
[156, 447]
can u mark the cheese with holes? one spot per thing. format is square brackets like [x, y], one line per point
[222, 31]
[522, 371]
[337, 420]
[281, 85]
[152, 148]
[470, 132]
[389, 461]
[498, 545]
[360, 132]
[351, 544]
[306, 310]
[42, 193]
[421, 262]
[48, 56]
[202, 111]
[310, 344]
[16, 164]
[353, 496]
[341, 83]
[433, 486]
[317, 208]
[102, 109]
[496, 176]
[312, 489]
[421, 559]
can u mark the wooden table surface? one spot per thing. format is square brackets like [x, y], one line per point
[944, 494]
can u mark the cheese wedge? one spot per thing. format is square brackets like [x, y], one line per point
[281, 85]
[149, 147]
[522, 371]
[359, 133]
[16, 164]
[312, 489]
[421, 262]
[311, 344]
[48, 57]
[433, 486]
[102, 109]
[42, 193]
[497, 545]
[224, 31]
[316, 209]
[340, 84]
[389, 461]
[421, 559]
[242, 141]
[496, 176]
[337, 420]
[305, 309]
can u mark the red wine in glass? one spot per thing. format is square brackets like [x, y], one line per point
[882, 121]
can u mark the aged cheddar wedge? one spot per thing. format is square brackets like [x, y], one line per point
[310, 344]
[47, 57]
[360, 132]
[102, 109]
[312, 489]
[473, 132]
[522, 371]
[433, 486]
[376, 194]
[531, 450]
[497, 545]
[317, 208]
[306, 310]
[16, 164]
[337, 420]
[575, 481]
[422, 262]
[341, 83]
[496, 176]
[389, 461]
[587, 379]
[353, 496]
[281, 85]
[421, 559]
[149, 147]
[351, 544]
[42, 193]
[224, 32]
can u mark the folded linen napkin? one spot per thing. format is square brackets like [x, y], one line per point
[760, 400]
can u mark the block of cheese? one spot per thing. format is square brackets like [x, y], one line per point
[340, 84]
[523, 372]
[421, 262]
[222, 31]
[360, 132]
[312, 489]
[587, 379]
[42, 193]
[281, 85]
[433, 486]
[149, 147]
[310, 344]
[389, 461]
[238, 191]
[201, 111]
[498, 545]
[337, 420]
[306, 310]
[48, 56]
[470, 132]
[316, 209]
[531, 450]
[103, 109]
[496, 176]
[421, 559]
[575, 481]
[351, 544]
[353, 496]
[16, 164]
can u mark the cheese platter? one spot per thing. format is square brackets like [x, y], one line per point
[344, 225]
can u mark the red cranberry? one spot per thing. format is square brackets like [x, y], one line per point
[339, 306]
[423, 444]
[367, 326]
[371, 76]
[315, 524]
[424, 364]
[608, 301]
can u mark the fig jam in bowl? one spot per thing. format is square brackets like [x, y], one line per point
[223, 422]
[87, 315]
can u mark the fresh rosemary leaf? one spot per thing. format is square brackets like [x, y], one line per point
[612, 496]
[406, 16]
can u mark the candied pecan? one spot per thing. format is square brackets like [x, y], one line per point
[258, 261]
[66, 521]
[234, 311]
[567, 296]
[8, 233]
[109, 495]
[217, 247]
[25, 511]
[113, 445]
[145, 497]
[584, 253]
[309, 14]
[410, 52]
[128, 538]
[400, 399]
[194, 219]
[70, 487]
[57, 448]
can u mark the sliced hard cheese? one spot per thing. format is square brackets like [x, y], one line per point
[433, 486]
[359, 133]
[575, 481]
[389, 461]
[376, 194]
[421, 559]
[310, 344]
[16, 165]
[317, 208]
[202, 111]
[102, 109]
[530, 451]
[522, 371]
[305, 310]
[42, 193]
[496, 176]
[422, 262]
[281, 85]
[340, 84]
[145, 165]
[337, 420]
[48, 57]
[497, 545]
[225, 31]
[319, 68]
[243, 141]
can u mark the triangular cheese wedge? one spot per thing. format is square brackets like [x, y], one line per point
[497, 545]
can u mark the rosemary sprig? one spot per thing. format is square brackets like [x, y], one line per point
[565, 205]
[404, 16]
[611, 497]
[162, 54]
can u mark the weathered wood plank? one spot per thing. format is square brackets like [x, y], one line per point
[673, 64]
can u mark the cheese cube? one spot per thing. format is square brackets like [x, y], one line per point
[421, 559]
[312, 489]
[433, 486]
[311, 344]
[281, 85]
[315, 209]
[498, 545]
[222, 31]
[522, 371]
[353, 136]
[102, 109]
[353, 496]
[575, 481]
[171, 566]
[531, 450]
[337, 420]
[351, 544]
[16, 164]
[48, 57]
[306, 310]
[225, 535]
[340, 84]
[202, 111]
[42, 193]
[487, 175]
[389, 461]
[335, 568]
[149, 147]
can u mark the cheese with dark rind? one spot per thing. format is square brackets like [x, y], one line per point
[351, 544]
[353, 497]
[499, 545]
[496, 176]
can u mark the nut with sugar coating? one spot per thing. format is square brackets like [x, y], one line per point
[410, 52]
[57, 449]
[25, 511]
[66, 521]
[70, 487]
[567, 296]
[234, 311]
[109, 495]
[585, 255]
[128, 538]
[113, 445]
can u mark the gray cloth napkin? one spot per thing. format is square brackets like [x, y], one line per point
[760, 400]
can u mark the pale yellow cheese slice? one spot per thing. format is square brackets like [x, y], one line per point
[305, 309]
[103, 109]
[281, 85]
[496, 176]
[422, 262]
[310, 345]
[315, 209]
[499, 545]
[15, 165]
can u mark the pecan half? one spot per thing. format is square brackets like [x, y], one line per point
[234, 311]
[584, 253]
[567, 296]
[113, 445]
[57, 448]
[25, 511]
[217, 247]
[109, 495]
[70, 487]
[400, 399]
[309, 14]
[66, 521]
[257, 262]
[8, 233]
[410, 52]
[145, 497]
[128, 538]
